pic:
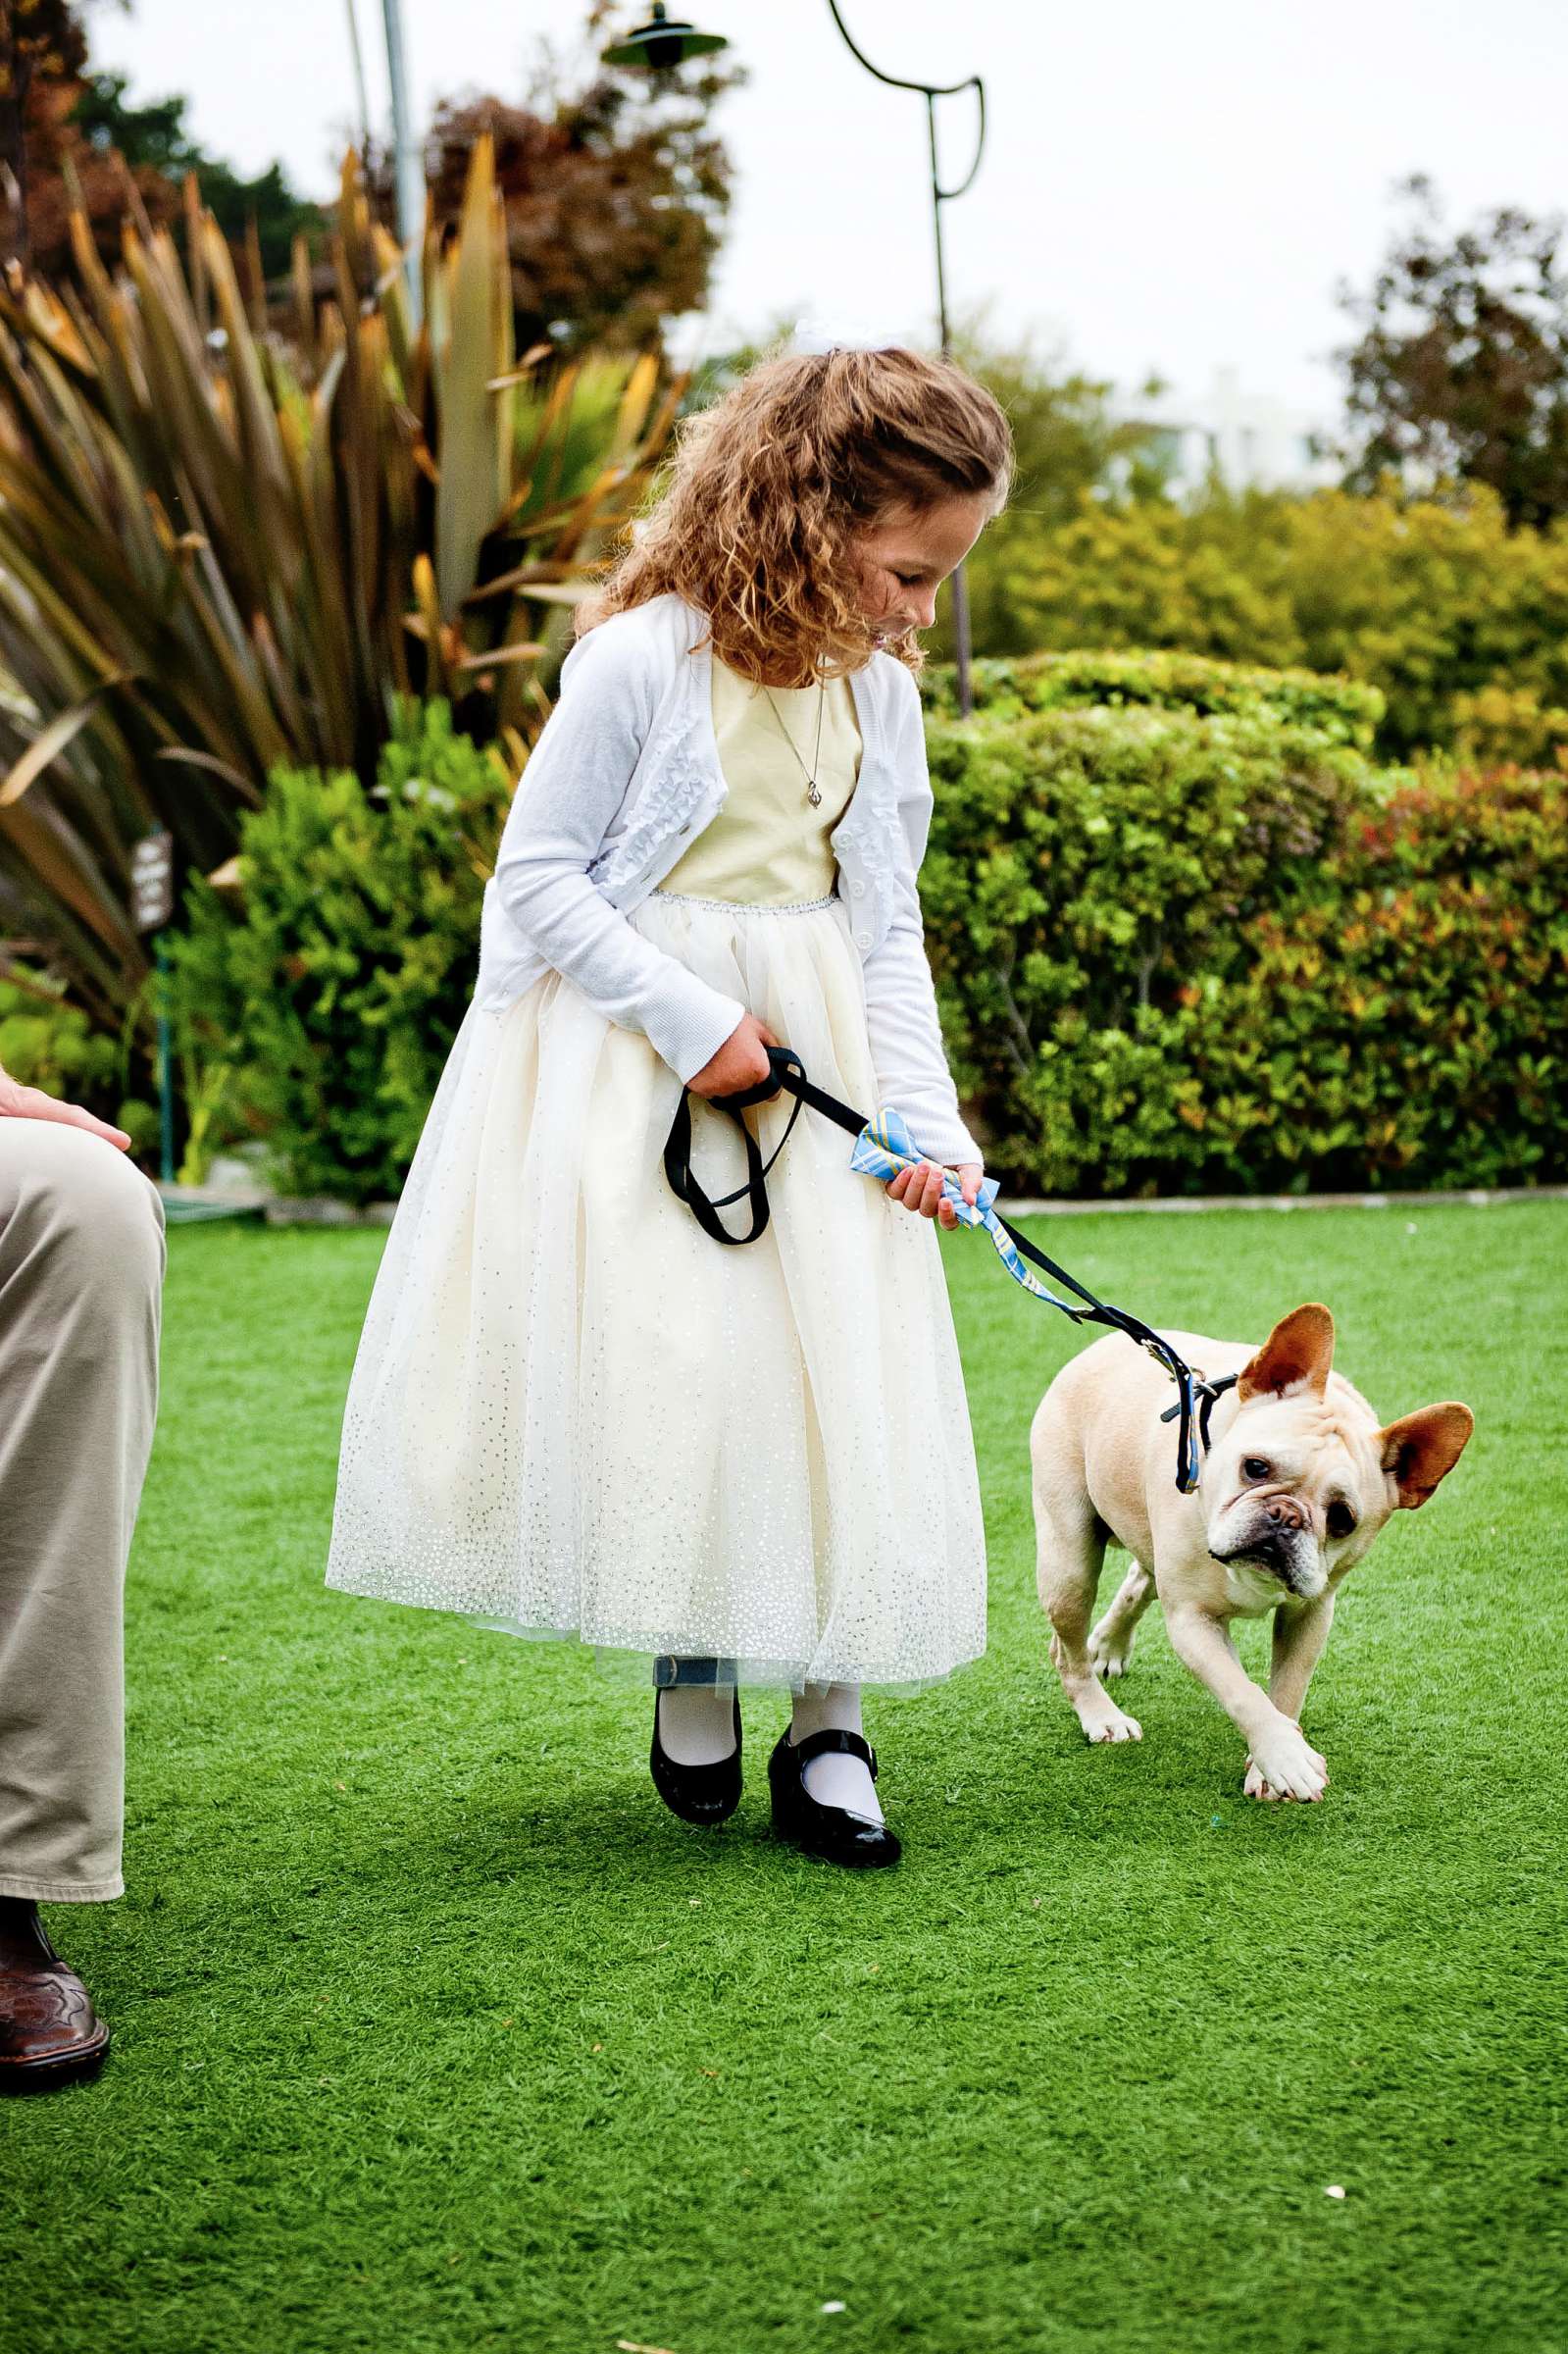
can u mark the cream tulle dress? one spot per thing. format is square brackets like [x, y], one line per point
[573, 1413]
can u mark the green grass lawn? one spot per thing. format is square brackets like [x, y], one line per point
[433, 2030]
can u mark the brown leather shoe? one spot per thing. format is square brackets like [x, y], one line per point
[49, 2032]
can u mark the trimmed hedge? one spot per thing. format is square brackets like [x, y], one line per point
[1339, 709]
[1188, 949]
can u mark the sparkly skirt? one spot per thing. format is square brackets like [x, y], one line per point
[572, 1412]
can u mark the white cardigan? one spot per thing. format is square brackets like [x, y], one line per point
[625, 772]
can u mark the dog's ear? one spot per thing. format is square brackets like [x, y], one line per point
[1422, 1449]
[1298, 1355]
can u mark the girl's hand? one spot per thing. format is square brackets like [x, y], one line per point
[921, 1189]
[742, 1062]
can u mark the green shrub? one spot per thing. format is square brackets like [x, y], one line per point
[334, 990]
[47, 1043]
[1186, 951]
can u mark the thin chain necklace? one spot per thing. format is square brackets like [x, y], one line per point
[810, 774]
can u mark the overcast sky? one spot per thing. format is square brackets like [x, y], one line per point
[1163, 187]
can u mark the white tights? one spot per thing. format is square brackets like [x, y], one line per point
[834, 1780]
[696, 1726]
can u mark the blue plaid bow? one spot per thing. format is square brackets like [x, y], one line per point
[885, 1145]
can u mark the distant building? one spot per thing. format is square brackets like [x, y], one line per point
[1251, 438]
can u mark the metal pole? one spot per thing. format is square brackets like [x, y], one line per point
[936, 217]
[960, 585]
[932, 91]
[359, 78]
[410, 168]
[166, 1075]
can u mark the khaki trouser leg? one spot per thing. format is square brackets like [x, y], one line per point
[81, 1265]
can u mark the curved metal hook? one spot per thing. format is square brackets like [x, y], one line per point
[931, 91]
[979, 87]
[928, 91]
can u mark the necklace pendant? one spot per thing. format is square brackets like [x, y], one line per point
[812, 795]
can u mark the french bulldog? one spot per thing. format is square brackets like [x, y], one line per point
[1299, 1479]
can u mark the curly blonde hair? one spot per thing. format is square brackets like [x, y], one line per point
[767, 489]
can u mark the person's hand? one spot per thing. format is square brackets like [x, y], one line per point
[742, 1062]
[921, 1189]
[19, 1103]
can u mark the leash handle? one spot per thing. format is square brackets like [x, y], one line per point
[786, 1073]
[683, 1178]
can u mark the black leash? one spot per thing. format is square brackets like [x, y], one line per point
[1194, 1397]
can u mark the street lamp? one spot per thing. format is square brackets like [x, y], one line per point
[665, 42]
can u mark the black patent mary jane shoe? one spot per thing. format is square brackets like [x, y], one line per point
[832, 1832]
[701, 1793]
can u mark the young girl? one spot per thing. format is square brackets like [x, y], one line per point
[572, 1411]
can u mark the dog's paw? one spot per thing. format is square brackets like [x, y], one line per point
[1110, 1649]
[1286, 1766]
[1102, 1720]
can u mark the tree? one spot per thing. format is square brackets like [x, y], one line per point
[1462, 364]
[60, 122]
[615, 187]
[153, 140]
[42, 50]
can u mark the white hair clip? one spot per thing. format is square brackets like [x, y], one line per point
[815, 334]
